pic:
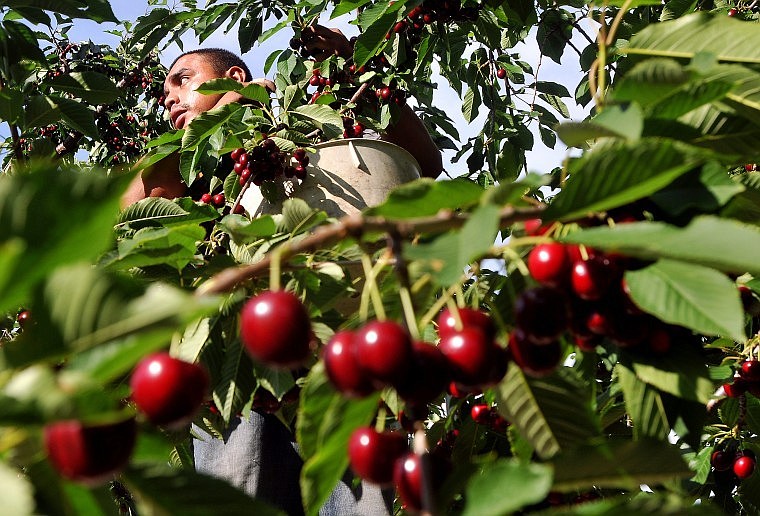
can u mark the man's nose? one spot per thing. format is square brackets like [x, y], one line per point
[171, 99]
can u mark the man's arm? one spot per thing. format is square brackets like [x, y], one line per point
[411, 134]
[161, 179]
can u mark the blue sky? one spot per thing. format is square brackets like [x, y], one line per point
[541, 159]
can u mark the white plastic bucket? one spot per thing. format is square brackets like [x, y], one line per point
[343, 177]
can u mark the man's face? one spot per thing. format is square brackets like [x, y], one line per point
[182, 101]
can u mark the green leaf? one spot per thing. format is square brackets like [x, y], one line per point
[505, 486]
[650, 81]
[92, 87]
[173, 246]
[731, 40]
[95, 309]
[706, 190]
[626, 122]
[425, 196]
[326, 421]
[448, 255]
[11, 105]
[245, 231]
[683, 374]
[612, 175]
[162, 490]
[376, 22]
[206, 124]
[552, 413]
[321, 115]
[578, 134]
[655, 240]
[644, 405]
[297, 216]
[236, 382]
[31, 220]
[44, 110]
[693, 296]
[621, 464]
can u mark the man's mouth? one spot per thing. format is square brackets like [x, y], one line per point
[178, 119]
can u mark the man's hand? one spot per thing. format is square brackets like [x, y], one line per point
[322, 42]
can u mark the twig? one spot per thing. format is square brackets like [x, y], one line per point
[352, 226]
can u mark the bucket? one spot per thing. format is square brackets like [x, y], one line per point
[342, 178]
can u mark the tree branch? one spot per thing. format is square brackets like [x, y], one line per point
[352, 226]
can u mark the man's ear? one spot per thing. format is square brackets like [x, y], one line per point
[236, 73]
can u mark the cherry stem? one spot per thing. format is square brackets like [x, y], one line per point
[274, 270]
[370, 286]
[353, 226]
[409, 317]
[454, 310]
[240, 195]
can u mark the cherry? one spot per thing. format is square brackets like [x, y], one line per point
[471, 318]
[168, 390]
[501, 73]
[428, 375]
[735, 389]
[341, 366]
[90, 453]
[23, 317]
[383, 352]
[481, 414]
[299, 154]
[733, 12]
[542, 313]
[721, 461]
[471, 355]
[206, 198]
[399, 27]
[384, 93]
[264, 401]
[534, 360]
[592, 278]
[218, 199]
[744, 467]
[314, 80]
[750, 370]
[373, 454]
[275, 329]
[535, 227]
[549, 264]
[407, 476]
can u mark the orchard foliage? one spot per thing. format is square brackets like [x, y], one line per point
[607, 309]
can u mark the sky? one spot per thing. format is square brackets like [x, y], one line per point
[541, 159]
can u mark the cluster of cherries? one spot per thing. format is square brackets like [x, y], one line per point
[747, 379]
[739, 462]
[266, 161]
[381, 354]
[598, 306]
[165, 390]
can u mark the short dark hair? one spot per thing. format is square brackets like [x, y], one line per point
[220, 59]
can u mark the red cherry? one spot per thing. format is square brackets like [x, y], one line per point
[549, 264]
[428, 375]
[299, 154]
[314, 80]
[750, 167]
[592, 278]
[733, 12]
[542, 313]
[238, 168]
[534, 360]
[750, 370]
[481, 414]
[471, 355]
[358, 130]
[399, 27]
[206, 198]
[383, 351]
[384, 93]
[534, 227]
[721, 461]
[470, 318]
[736, 389]
[275, 329]
[744, 467]
[501, 73]
[235, 154]
[373, 454]
[407, 476]
[341, 366]
[23, 317]
[89, 453]
[264, 401]
[218, 199]
[168, 390]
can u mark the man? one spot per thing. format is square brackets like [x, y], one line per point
[184, 103]
[259, 455]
